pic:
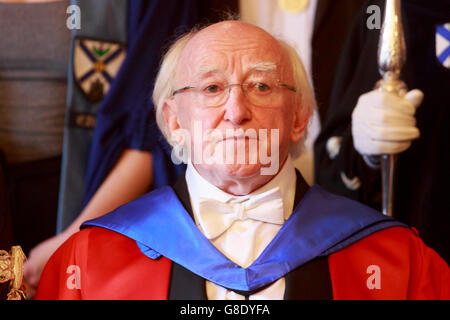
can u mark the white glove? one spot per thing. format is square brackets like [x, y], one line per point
[384, 123]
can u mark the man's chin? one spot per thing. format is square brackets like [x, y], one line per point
[241, 171]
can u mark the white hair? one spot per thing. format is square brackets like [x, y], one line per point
[164, 86]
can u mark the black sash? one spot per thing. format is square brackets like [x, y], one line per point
[310, 281]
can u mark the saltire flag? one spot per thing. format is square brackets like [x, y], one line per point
[443, 44]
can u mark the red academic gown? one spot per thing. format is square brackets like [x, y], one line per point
[97, 263]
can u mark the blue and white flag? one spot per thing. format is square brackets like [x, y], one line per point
[443, 44]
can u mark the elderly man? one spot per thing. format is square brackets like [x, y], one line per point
[234, 226]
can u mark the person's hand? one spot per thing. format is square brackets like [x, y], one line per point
[384, 123]
[38, 257]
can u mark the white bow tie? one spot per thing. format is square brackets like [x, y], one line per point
[216, 217]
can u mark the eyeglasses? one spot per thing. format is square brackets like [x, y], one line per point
[259, 93]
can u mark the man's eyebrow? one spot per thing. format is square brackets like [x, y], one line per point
[263, 66]
[205, 71]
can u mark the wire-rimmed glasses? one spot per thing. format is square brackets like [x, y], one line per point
[259, 93]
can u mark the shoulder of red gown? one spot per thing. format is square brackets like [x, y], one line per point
[393, 263]
[96, 263]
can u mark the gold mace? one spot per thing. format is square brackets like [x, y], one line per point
[11, 269]
[391, 58]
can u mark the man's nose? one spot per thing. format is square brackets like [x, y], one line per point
[237, 111]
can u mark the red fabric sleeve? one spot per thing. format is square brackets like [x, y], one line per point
[390, 264]
[99, 264]
[54, 278]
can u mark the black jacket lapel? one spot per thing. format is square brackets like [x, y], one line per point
[185, 285]
[310, 281]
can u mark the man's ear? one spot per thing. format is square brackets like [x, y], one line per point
[301, 120]
[169, 111]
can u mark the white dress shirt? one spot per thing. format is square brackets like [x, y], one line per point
[245, 240]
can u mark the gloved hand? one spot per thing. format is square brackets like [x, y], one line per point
[383, 123]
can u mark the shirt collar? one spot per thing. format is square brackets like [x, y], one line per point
[199, 187]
